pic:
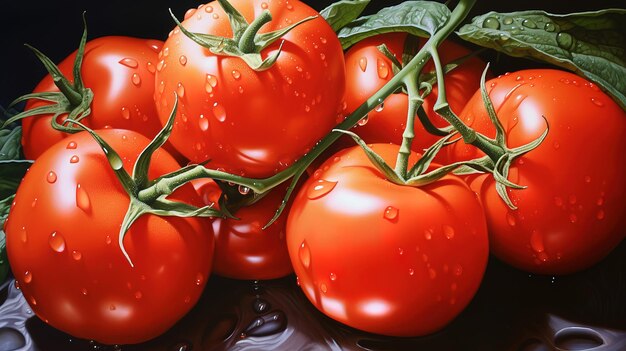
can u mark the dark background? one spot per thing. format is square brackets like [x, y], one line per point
[55, 27]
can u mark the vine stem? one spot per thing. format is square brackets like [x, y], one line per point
[415, 101]
[169, 183]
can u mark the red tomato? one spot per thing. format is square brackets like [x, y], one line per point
[385, 258]
[244, 121]
[62, 237]
[120, 72]
[243, 250]
[572, 213]
[367, 70]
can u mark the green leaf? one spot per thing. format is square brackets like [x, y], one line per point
[11, 174]
[591, 44]
[420, 18]
[10, 143]
[342, 12]
[4, 263]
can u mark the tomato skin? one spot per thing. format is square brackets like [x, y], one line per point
[120, 72]
[367, 70]
[68, 263]
[571, 214]
[388, 259]
[234, 116]
[243, 249]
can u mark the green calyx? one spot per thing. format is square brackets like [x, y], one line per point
[139, 180]
[246, 43]
[72, 99]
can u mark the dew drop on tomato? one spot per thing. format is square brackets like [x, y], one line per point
[320, 188]
[236, 74]
[428, 234]
[363, 121]
[536, 241]
[448, 232]
[74, 159]
[199, 279]
[182, 60]
[600, 215]
[138, 295]
[380, 107]
[264, 5]
[432, 273]
[510, 219]
[51, 177]
[82, 199]
[323, 288]
[333, 277]
[129, 62]
[305, 255]
[77, 255]
[180, 90]
[219, 112]
[597, 102]
[203, 123]
[154, 45]
[457, 270]
[28, 277]
[83, 291]
[383, 69]
[71, 145]
[23, 235]
[136, 79]
[56, 242]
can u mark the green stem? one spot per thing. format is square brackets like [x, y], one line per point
[247, 44]
[415, 101]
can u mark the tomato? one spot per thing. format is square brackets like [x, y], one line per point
[571, 214]
[368, 69]
[68, 263]
[243, 249]
[384, 258]
[120, 72]
[250, 122]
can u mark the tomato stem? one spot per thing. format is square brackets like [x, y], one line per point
[415, 101]
[247, 43]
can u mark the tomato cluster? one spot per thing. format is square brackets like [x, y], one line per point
[247, 92]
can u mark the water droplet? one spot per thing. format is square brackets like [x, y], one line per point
[504, 37]
[180, 90]
[74, 159]
[125, 113]
[107, 240]
[82, 199]
[549, 27]
[150, 67]
[203, 123]
[573, 218]
[199, 279]
[363, 121]
[380, 107]
[215, 16]
[240, 89]
[565, 40]
[448, 231]
[597, 102]
[160, 65]
[510, 219]
[289, 7]
[383, 69]
[138, 295]
[243, 190]
[491, 23]
[307, 108]
[136, 79]
[129, 62]
[219, 112]
[432, 273]
[236, 74]
[518, 78]
[77, 255]
[323, 288]
[507, 21]
[208, 9]
[305, 255]
[269, 324]
[558, 201]
[51, 177]
[264, 5]
[320, 188]
[428, 233]
[71, 145]
[23, 235]
[529, 24]
[83, 291]
[600, 215]
[211, 82]
[112, 307]
[391, 213]
[457, 270]
[28, 277]
[333, 277]
[536, 241]
[556, 145]
[56, 242]
[182, 60]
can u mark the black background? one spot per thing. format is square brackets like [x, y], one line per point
[55, 27]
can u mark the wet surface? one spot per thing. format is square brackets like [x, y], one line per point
[512, 311]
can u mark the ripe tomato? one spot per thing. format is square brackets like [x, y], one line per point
[243, 249]
[62, 243]
[120, 72]
[251, 122]
[572, 213]
[367, 70]
[385, 258]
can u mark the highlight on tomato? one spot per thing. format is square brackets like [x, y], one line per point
[253, 99]
[68, 261]
[571, 215]
[386, 258]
